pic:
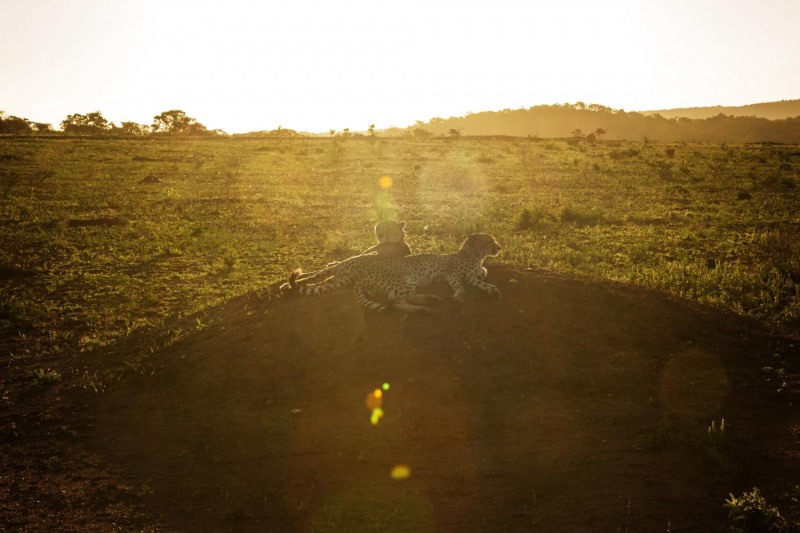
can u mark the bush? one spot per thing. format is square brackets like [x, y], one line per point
[751, 514]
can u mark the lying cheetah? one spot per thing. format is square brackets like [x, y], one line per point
[391, 236]
[398, 278]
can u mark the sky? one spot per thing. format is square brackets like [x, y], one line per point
[321, 65]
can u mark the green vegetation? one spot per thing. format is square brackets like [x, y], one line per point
[750, 513]
[102, 238]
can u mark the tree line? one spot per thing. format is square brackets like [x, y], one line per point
[172, 122]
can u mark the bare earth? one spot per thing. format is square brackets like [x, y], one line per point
[568, 406]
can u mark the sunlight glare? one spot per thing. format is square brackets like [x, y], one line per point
[401, 472]
[374, 403]
[385, 182]
[377, 414]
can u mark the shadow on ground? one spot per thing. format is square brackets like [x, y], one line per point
[567, 406]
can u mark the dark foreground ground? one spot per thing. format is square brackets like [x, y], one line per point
[567, 406]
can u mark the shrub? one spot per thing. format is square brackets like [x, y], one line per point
[751, 514]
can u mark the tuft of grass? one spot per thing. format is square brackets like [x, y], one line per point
[750, 513]
[42, 377]
[580, 216]
[534, 218]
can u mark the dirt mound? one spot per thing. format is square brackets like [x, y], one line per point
[567, 406]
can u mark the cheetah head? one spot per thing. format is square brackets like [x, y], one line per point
[390, 231]
[481, 244]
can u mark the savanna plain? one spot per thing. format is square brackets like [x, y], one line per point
[640, 372]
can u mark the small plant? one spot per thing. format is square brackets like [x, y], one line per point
[532, 218]
[716, 432]
[48, 376]
[750, 513]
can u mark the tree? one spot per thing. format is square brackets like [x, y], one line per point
[454, 133]
[134, 128]
[88, 124]
[42, 127]
[371, 130]
[14, 125]
[176, 122]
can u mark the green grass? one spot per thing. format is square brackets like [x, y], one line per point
[102, 238]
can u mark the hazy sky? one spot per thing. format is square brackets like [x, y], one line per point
[316, 65]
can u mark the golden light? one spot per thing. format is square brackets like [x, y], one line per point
[385, 182]
[401, 472]
[374, 401]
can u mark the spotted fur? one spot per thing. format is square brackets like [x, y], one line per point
[399, 278]
[391, 236]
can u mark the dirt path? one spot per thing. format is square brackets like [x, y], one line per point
[567, 406]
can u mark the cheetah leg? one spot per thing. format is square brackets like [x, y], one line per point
[365, 301]
[458, 288]
[488, 288]
[404, 297]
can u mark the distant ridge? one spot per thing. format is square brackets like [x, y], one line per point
[768, 110]
[744, 124]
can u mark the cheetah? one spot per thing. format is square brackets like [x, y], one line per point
[399, 278]
[391, 236]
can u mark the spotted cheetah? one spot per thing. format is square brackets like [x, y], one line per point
[391, 236]
[399, 278]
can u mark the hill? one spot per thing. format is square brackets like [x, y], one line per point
[572, 405]
[768, 110]
[579, 120]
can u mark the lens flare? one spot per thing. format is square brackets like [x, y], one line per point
[400, 472]
[374, 402]
[385, 182]
[385, 386]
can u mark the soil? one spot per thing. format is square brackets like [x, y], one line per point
[568, 405]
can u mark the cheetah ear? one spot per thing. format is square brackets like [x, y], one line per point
[402, 224]
[473, 243]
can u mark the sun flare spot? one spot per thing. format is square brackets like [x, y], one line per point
[374, 403]
[385, 182]
[400, 472]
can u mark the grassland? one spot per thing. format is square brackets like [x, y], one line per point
[120, 256]
[101, 238]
